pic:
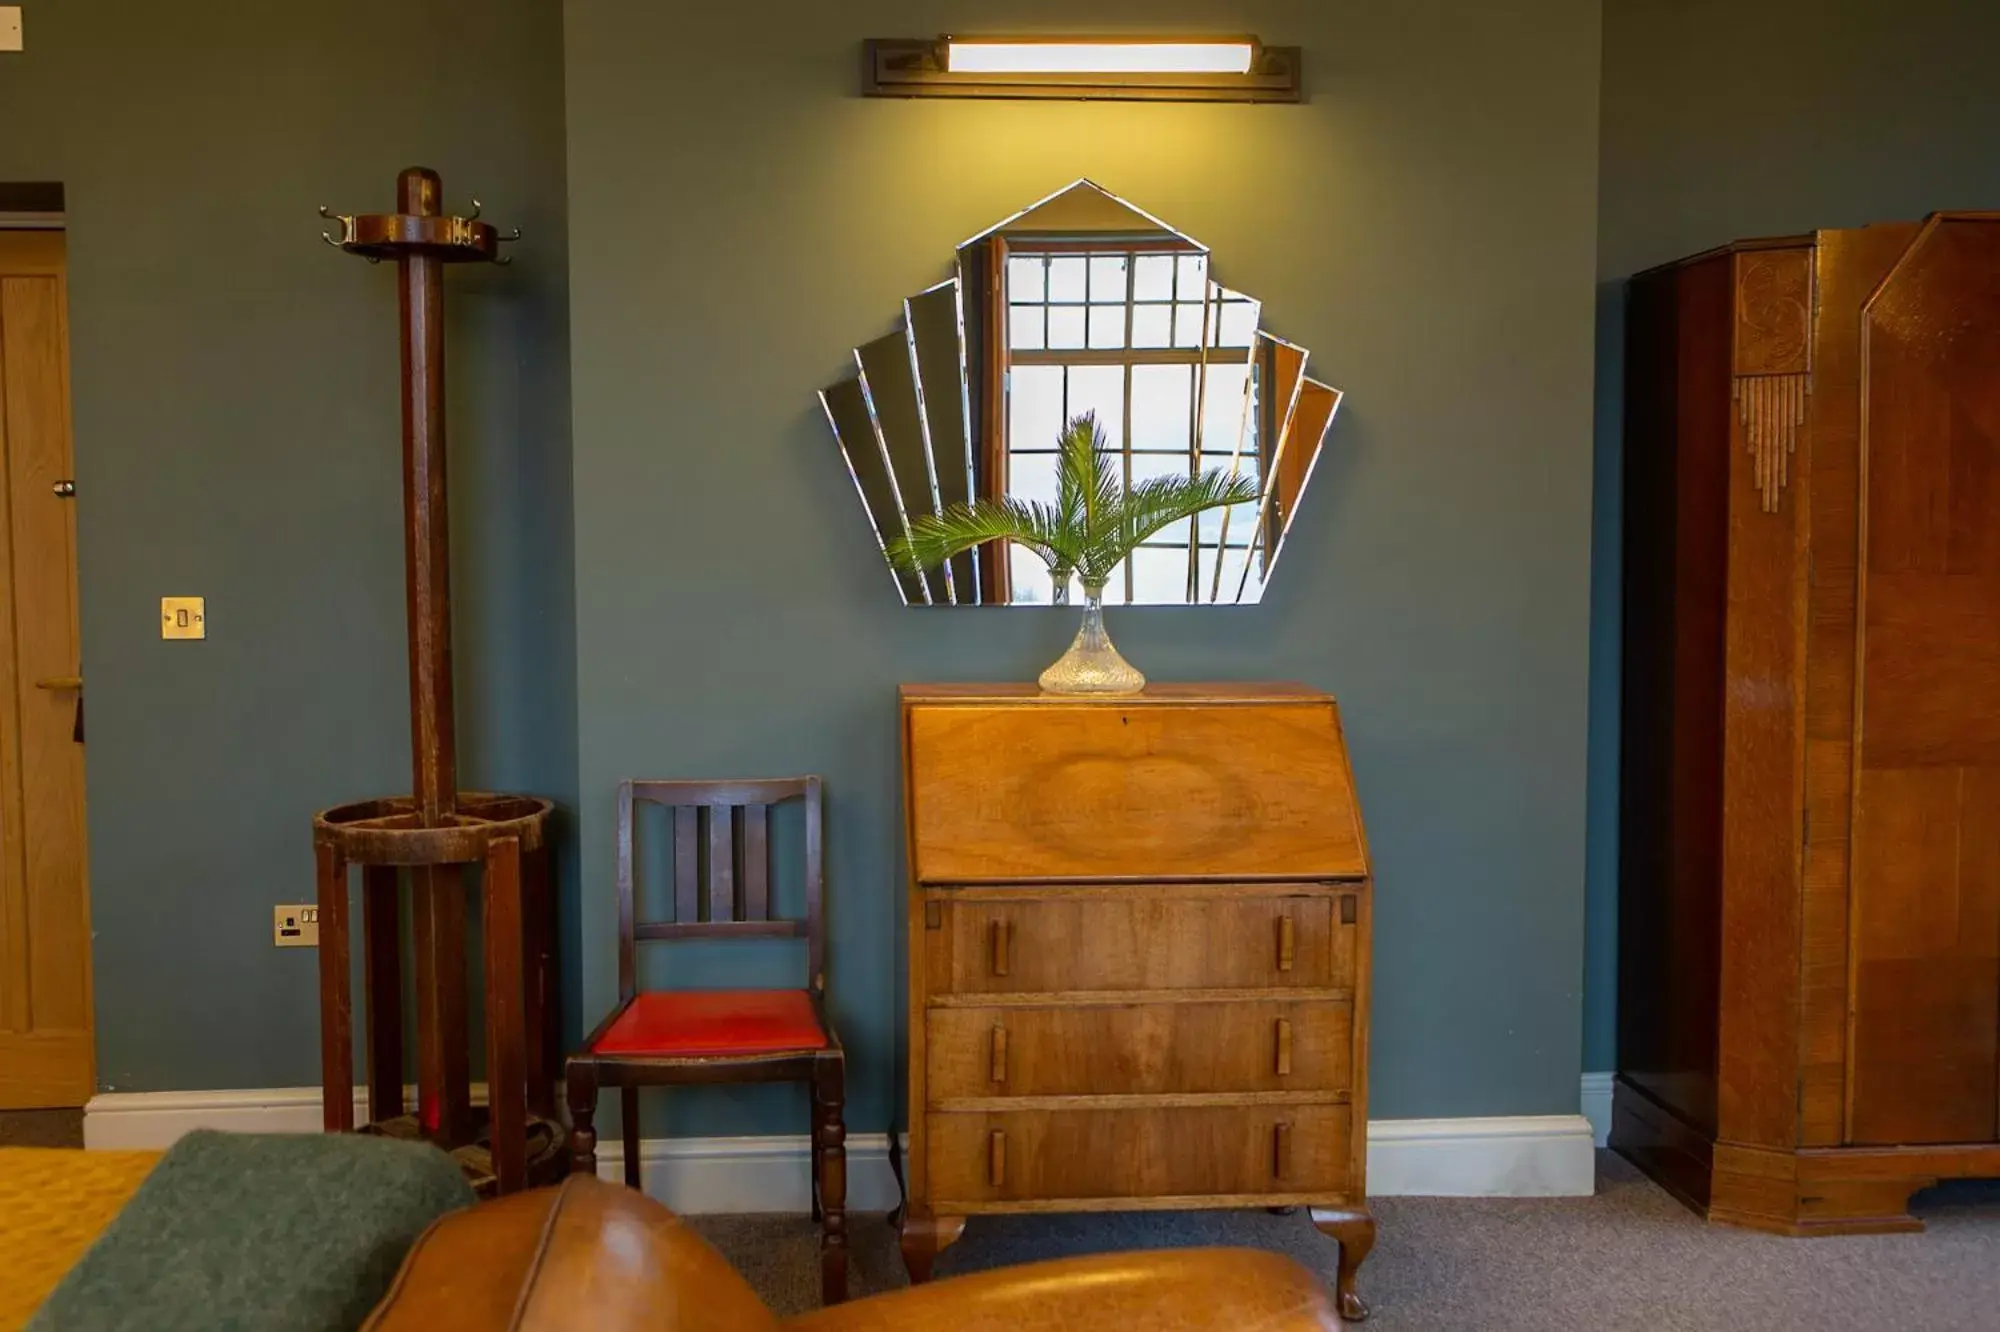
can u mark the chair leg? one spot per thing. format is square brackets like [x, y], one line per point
[582, 1085]
[817, 1153]
[628, 1106]
[829, 1107]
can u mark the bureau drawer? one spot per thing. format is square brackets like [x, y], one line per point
[1169, 1152]
[1104, 1049]
[1050, 940]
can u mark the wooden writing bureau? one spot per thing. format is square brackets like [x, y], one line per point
[1138, 958]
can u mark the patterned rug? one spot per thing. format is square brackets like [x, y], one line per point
[53, 1203]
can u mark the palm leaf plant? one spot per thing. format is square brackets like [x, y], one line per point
[1095, 523]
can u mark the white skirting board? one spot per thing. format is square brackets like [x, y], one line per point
[703, 1176]
[1523, 1156]
[1597, 1105]
[121, 1121]
[1517, 1156]
[1528, 1156]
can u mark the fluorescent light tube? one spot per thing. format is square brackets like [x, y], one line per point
[993, 57]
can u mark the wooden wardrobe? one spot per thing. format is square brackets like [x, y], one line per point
[1138, 958]
[1809, 907]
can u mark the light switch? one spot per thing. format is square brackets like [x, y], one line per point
[183, 617]
[10, 28]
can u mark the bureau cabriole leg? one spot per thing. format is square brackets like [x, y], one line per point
[1353, 1229]
[924, 1237]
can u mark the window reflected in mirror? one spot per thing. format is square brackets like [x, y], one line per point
[1083, 303]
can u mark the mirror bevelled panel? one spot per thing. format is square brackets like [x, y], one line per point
[937, 351]
[1084, 303]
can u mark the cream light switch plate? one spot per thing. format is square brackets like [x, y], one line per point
[10, 28]
[183, 617]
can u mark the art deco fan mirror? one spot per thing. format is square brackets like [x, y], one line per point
[1083, 303]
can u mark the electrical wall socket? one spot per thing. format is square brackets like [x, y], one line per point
[295, 925]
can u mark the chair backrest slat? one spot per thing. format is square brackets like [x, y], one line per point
[687, 863]
[769, 791]
[721, 834]
[721, 863]
[756, 863]
[653, 930]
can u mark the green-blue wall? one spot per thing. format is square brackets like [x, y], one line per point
[1420, 223]
[1731, 118]
[237, 437]
[1424, 223]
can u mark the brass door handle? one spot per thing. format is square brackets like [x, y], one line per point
[67, 684]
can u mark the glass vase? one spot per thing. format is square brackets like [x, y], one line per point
[1092, 665]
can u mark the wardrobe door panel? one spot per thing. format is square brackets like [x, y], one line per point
[1925, 945]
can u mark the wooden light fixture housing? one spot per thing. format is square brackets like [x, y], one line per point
[1159, 69]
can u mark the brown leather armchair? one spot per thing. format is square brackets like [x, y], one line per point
[591, 1255]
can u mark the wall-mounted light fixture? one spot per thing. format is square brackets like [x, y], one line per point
[1174, 69]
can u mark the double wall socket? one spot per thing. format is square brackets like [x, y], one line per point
[295, 925]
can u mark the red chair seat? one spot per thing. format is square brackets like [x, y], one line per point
[714, 1022]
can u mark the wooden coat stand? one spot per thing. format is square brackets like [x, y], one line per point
[423, 841]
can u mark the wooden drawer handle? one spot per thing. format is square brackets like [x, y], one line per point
[1284, 1047]
[1348, 907]
[996, 1159]
[1281, 1150]
[999, 1053]
[1002, 934]
[1287, 942]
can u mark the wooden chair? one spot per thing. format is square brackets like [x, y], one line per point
[664, 1037]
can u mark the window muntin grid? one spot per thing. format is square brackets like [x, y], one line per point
[1163, 355]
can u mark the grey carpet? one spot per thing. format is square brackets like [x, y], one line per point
[1630, 1257]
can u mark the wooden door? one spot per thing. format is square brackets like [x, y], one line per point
[1924, 1040]
[45, 1017]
